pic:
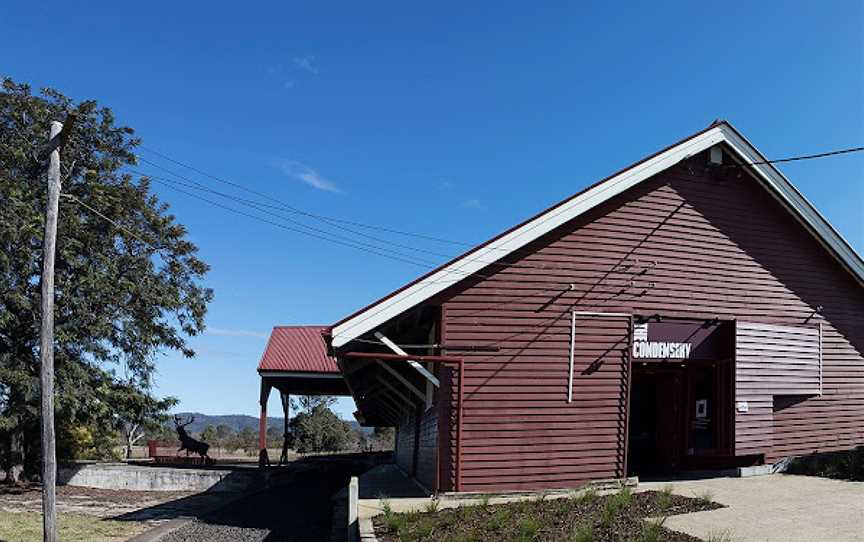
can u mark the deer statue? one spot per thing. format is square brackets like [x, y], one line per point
[188, 443]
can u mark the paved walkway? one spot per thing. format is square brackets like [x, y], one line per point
[781, 508]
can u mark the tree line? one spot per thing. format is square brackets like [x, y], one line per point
[314, 429]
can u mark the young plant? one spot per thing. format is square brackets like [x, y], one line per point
[396, 523]
[652, 530]
[385, 504]
[719, 536]
[583, 533]
[705, 497]
[527, 529]
[585, 496]
[623, 497]
[498, 518]
[608, 514]
[432, 506]
[664, 498]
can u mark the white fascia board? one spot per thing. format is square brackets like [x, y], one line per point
[473, 262]
[805, 212]
[778, 185]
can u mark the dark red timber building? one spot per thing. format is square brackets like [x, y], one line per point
[691, 311]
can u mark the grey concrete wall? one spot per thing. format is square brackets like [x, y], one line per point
[143, 478]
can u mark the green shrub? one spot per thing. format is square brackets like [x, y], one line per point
[432, 506]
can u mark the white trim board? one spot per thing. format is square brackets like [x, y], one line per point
[472, 262]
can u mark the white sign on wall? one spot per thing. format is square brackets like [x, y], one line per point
[643, 348]
[647, 349]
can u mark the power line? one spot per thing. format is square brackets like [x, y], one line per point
[341, 240]
[332, 220]
[116, 224]
[263, 207]
[288, 228]
[805, 157]
[316, 216]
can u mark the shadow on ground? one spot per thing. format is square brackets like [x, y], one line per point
[296, 504]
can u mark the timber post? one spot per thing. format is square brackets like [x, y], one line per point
[46, 348]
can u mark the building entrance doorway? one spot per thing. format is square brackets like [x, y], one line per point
[680, 417]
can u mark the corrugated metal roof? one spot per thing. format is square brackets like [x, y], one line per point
[298, 349]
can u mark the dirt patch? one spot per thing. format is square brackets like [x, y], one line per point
[586, 516]
[85, 500]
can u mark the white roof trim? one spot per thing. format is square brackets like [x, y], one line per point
[472, 262]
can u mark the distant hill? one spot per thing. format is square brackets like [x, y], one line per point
[238, 422]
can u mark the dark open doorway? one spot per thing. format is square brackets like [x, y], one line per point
[680, 417]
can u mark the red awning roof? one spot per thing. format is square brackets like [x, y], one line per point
[298, 349]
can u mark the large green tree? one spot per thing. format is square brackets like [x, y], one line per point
[320, 430]
[128, 283]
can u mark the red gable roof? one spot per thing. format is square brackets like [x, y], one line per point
[298, 349]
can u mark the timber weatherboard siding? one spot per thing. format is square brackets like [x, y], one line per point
[404, 444]
[417, 441]
[686, 242]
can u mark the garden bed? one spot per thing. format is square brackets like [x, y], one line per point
[848, 465]
[584, 517]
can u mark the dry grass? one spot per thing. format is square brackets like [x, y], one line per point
[27, 527]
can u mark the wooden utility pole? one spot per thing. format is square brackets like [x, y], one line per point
[57, 136]
[49, 453]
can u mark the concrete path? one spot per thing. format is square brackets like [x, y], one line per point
[779, 507]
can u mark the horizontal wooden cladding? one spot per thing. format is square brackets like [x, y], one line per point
[780, 360]
[493, 484]
[512, 480]
[542, 433]
[516, 405]
[710, 247]
[556, 471]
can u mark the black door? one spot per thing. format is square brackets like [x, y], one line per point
[656, 420]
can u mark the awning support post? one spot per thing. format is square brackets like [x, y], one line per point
[263, 460]
[286, 410]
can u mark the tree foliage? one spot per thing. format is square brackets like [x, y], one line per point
[122, 293]
[320, 430]
[307, 403]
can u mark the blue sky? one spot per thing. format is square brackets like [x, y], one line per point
[451, 119]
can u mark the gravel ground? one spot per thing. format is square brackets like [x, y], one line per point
[297, 511]
[199, 530]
